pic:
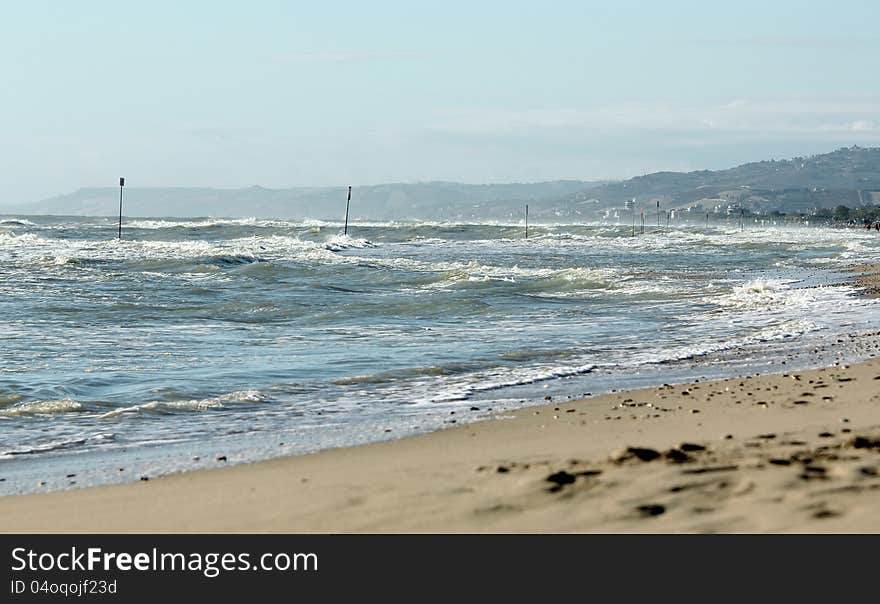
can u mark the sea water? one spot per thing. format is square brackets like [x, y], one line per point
[201, 342]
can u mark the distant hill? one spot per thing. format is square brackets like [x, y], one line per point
[431, 200]
[848, 176]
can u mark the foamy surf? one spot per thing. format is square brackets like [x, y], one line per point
[217, 402]
[343, 242]
[52, 407]
[246, 331]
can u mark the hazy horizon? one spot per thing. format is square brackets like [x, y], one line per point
[281, 96]
[115, 184]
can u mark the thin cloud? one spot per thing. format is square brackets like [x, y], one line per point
[345, 56]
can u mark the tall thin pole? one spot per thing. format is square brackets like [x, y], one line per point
[658, 213]
[707, 220]
[634, 216]
[527, 221]
[347, 204]
[121, 184]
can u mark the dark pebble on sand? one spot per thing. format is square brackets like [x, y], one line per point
[780, 462]
[71, 475]
[145, 478]
[677, 456]
[642, 453]
[560, 478]
[824, 513]
[689, 447]
[221, 458]
[503, 469]
[863, 442]
[475, 408]
[651, 509]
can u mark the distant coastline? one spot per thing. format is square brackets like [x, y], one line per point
[805, 186]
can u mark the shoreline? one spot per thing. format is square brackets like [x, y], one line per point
[795, 452]
[784, 452]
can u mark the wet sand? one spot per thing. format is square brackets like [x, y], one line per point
[868, 278]
[792, 452]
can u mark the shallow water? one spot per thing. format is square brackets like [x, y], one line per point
[269, 337]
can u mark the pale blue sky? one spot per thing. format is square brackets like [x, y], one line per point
[302, 93]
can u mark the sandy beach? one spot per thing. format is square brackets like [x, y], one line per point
[794, 452]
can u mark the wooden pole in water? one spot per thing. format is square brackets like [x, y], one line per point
[668, 212]
[347, 204]
[527, 221]
[707, 220]
[121, 184]
[658, 214]
[742, 219]
[643, 222]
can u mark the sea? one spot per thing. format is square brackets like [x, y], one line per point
[194, 343]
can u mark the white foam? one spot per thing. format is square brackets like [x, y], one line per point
[17, 222]
[502, 377]
[763, 293]
[155, 224]
[343, 242]
[218, 402]
[51, 407]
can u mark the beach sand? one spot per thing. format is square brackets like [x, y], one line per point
[794, 452]
[868, 278]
